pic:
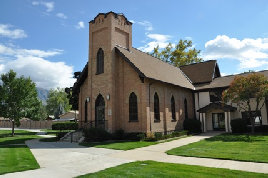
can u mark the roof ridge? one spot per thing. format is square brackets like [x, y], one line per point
[168, 64]
[199, 62]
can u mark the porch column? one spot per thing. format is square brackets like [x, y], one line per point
[204, 121]
[229, 123]
[226, 121]
[201, 120]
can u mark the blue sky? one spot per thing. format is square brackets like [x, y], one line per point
[48, 40]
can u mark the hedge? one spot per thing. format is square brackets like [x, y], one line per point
[192, 125]
[239, 125]
[65, 126]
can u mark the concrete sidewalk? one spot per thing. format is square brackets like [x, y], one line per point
[59, 159]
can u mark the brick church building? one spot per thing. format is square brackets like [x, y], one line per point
[124, 88]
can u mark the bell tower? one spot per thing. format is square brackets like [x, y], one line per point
[106, 31]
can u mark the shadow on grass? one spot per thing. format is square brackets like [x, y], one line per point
[15, 141]
[92, 144]
[237, 138]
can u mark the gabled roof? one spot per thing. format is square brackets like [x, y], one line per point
[218, 105]
[80, 80]
[153, 68]
[224, 82]
[202, 72]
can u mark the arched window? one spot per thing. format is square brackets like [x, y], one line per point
[185, 109]
[100, 112]
[85, 111]
[133, 107]
[100, 61]
[156, 108]
[173, 108]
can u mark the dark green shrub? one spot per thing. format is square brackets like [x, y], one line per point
[239, 125]
[158, 135]
[192, 125]
[178, 134]
[141, 136]
[119, 134]
[65, 126]
[96, 134]
[132, 136]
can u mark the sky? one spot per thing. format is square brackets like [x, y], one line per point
[47, 40]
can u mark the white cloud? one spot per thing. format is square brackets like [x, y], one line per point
[157, 40]
[251, 53]
[132, 21]
[6, 31]
[48, 5]
[61, 15]
[80, 25]
[32, 63]
[148, 25]
[12, 51]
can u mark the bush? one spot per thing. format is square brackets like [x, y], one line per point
[119, 134]
[178, 134]
[65, 126]
[192, 125]
[239, 125]
[96, 134]
[158, 135]
[261, 128]
[134, 136]
[141, 136]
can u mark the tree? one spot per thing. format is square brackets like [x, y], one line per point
[249, 93]
[18, 98]
[57, 99]
[182, 54]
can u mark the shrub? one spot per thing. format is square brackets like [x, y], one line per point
[150, 136]
[261, 128]
[141, 136]
[119, 134]
[192, 125]
[96, 134]
[178, 134]
[65, 126]
[133, 136]
[239, 125]
[158, 135]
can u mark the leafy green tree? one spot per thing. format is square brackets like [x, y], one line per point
[249, 92]
[182, 54]
[57, 102]
[18, 98]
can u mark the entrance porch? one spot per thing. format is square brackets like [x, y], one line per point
[216, 117]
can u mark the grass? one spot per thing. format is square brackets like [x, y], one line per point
[14, 154]
[158, 169]
[126, 144]
[228, 146]
[118, 145]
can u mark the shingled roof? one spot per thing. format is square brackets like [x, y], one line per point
[224, 82]
[153, 68]
[203, 72]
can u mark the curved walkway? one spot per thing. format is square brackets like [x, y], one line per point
[59, 159]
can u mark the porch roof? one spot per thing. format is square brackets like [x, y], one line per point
[218, 105]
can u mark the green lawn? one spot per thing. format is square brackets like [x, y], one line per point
[126, 144]
[157, 169]
[14, 154]
[119, 145]
[228, 146]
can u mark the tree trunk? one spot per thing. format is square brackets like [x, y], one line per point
[13, 128]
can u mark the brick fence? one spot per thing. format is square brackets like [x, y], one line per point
[29, 124]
